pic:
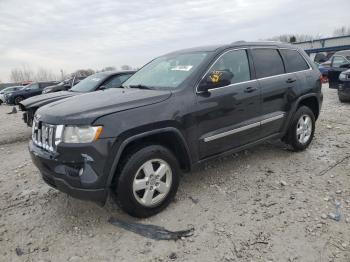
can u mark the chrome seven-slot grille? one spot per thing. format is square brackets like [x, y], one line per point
[43, 135]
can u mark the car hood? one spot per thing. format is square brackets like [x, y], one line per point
[44, 99]
[86, 108]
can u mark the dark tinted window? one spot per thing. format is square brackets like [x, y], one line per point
[268, 62]
[237, 63]
[293, 61]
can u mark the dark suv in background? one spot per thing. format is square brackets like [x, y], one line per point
[98, 81]
[176, 112]
[339, 62]
[63, 86]
[30, 90]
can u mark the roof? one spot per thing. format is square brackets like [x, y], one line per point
[117, 72]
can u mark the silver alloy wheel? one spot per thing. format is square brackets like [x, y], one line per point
[304, 129]
[152, 182]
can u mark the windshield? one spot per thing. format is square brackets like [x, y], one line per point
[10, 89]
[90, 83]
[167, 72]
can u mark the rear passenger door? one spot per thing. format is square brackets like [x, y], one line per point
[276, 88]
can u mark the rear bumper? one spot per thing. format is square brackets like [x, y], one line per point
[64, 178]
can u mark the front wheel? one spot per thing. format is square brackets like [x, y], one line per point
[18, 99]
[302, 129]
[148, 181]
[343, 98]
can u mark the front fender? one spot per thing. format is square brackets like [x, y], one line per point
[127, 141]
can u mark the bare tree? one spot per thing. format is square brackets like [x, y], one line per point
[108, 68]
[341, 31]
[84, 72]
[44, 75]
[287, 38]
[21, 74]
[126, 67]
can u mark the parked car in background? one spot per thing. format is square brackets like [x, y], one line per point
[335, 63]
[176, 112]
[8, 90]
[30, 90]
[341, 80]
[64, 85]
[98, 81]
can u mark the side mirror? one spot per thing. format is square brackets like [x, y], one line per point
[27, 89]
[215, 79]
[103, 87]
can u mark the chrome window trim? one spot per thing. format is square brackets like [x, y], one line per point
[243, 128]
[256, 79]
[218, 88]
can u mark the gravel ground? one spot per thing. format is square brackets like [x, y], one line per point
[263, 204]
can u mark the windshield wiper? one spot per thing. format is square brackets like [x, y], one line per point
[140, 87]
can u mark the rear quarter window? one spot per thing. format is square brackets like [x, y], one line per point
[267, 62]
[293, 60]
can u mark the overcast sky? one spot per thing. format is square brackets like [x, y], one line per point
[69, 35]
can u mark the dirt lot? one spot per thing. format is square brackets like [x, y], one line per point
[264, 204]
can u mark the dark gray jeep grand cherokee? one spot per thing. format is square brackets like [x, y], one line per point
[176, 112]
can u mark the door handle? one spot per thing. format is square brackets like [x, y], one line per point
[250, 89]
[291, 80]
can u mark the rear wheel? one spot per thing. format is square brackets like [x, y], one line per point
[18, 99]
[302, 129]
[343, 98]
[148, 181]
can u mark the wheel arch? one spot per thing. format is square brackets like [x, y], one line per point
[169, 137]
[308, 100]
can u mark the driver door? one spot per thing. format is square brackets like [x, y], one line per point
[228, 116]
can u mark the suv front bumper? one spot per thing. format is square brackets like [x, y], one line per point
[344, 89]
[71, 173]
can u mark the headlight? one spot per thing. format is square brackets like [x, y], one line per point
[344, 76]
[77, 134]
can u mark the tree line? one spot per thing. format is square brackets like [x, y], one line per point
[292, 38]
[26, 73]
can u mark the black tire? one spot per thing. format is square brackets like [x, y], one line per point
[0, 102]
[292, 138]
[130, 166]
[342, 98]
[18, 99]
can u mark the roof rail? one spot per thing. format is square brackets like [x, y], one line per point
[239, 42]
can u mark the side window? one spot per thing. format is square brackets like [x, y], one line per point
[113, 82]
[268, 62]
[125, 77]
[293, 60]
[338, 61]
[236, 62]
[33, 86]
[43, 85]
